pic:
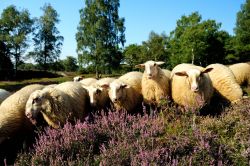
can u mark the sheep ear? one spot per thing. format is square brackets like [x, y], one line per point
[141, 66]
[159, 63]
[183, 73]
[124, 86]
[207, 70]
[105, 86]
[98, 90]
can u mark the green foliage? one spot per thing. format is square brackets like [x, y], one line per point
[152, 49]
[242, 32]
[15, 26]
[6, 66]
[133, 55]
[100, 33]
[70, 64]
[47, 41]
[196, 41]
[155, 48]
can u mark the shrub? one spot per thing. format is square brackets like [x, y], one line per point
[171, 137]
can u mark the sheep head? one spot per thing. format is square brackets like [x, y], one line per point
[117, 90]
[194, 77]
[38, 103]
[151, 68]
[35, 105]
[94, 94]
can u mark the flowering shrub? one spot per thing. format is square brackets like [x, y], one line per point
[171, 137]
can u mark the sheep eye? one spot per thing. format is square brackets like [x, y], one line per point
[154, 64]
[98, 91]
[35, 100]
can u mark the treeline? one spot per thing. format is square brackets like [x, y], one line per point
[101, 37]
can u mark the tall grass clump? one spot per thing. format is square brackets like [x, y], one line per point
[167, 137]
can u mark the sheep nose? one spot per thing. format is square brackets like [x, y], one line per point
[29, 115]
[195, 89]
[150, 76]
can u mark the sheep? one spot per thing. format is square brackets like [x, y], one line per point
[155, 83]
[99, 97]
[125, 92]
[224, 83]
[167, 72]
[12, 113]
[66, 101]
[3, 95]
[241, 72]
[77, 78]
[191, 86]
[88, 81]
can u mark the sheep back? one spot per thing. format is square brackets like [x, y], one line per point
[88, 81]
[133, 79]
[71, 100]
[12, 112]
[241, 72]
[224, 82]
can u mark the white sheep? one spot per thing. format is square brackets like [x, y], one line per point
[191, 85]
[155, 83]
[125, 92]
[3, 95]
[12, 113]
[66, 101]
[241, 72]
[77, 78]
[88, 81]
[167, 72]
[224, 82]
[98, 93]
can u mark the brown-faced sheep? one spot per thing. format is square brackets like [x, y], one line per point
[241, 72]
[3, 95]
[155, 83]
[224, 82]
[191, 86]
[66, 101]
[125, 92]
[12, 113]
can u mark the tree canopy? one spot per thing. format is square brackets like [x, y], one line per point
[242, 33]
[47, 39]
[15, 26]
[100, 34]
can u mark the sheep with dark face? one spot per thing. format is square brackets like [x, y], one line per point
[191, 85]
[66, 101]
[155, 83]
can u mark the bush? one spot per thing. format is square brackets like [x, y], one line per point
[167, 138]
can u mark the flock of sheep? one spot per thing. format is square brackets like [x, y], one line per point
[187, 85]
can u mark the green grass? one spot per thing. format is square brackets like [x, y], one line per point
[15, 85]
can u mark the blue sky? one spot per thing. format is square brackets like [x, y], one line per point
[141, 16]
